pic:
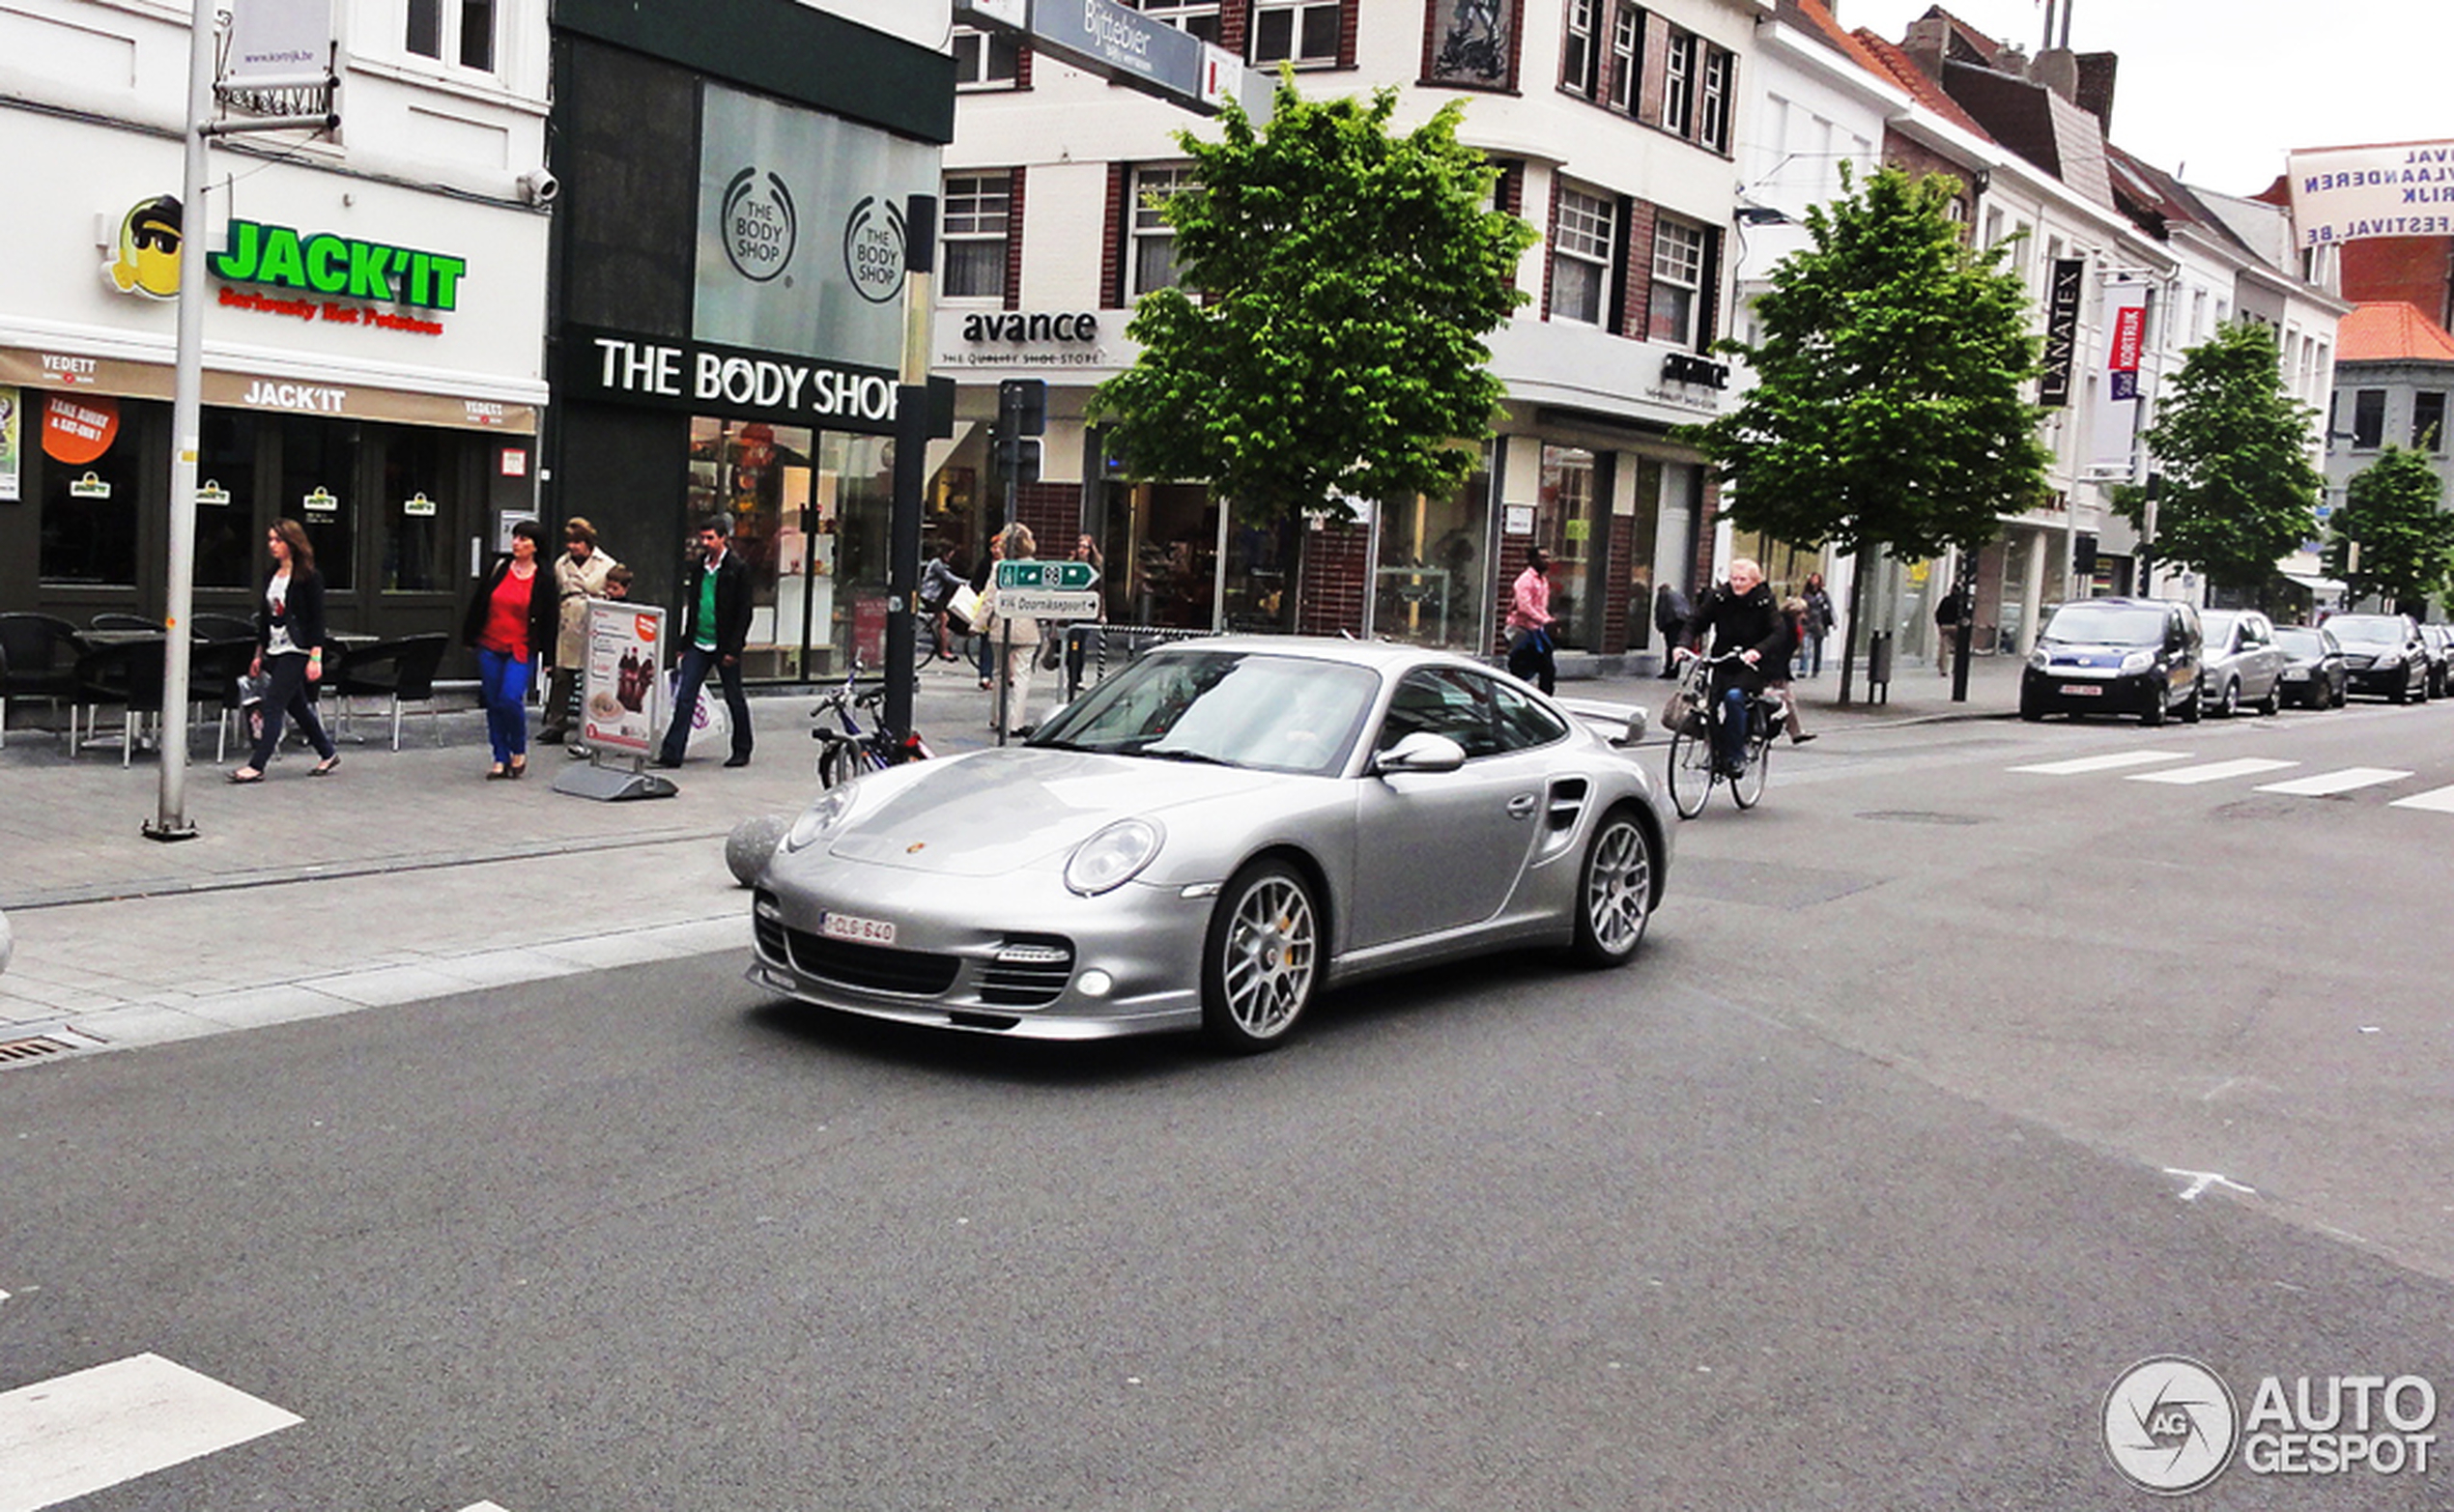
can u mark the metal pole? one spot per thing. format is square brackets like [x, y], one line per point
[171, 822]
[911, 465]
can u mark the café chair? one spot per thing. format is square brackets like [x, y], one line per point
[401, 670]
[38, 660]
[128, 674]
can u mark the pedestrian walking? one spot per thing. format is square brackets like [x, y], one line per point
[1530, 625]
[1820, 617]
[511, 619]
[579, 575]
[288, 651]
[1018, 635]
[1951, 612]
[1795, 614]
[1669, 617]
[715, 626]
[939, 580]
[983, 577]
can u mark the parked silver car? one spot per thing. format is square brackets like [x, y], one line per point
[1207, 839]
[2241, 662]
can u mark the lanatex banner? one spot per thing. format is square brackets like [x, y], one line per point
[2348, 193]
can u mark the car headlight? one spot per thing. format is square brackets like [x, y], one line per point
[1113, 857]
[820, 819]
[2038, 660]
[2137, 661]
[2389, 659]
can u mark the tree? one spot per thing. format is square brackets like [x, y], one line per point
[1327, 338]
[2239, 488]
[2407, 542]
[1888, 410]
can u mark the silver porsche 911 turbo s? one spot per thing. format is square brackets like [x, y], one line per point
[1209, 839]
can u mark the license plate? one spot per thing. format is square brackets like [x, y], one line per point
[2083, 690]
[849, 926]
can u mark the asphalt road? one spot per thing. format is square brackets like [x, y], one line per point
[1857, 1191]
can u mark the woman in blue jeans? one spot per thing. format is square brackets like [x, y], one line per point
[511, 618]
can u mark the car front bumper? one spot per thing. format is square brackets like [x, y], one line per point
[2068, 691]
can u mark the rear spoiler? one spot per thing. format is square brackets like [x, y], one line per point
[1621, 724]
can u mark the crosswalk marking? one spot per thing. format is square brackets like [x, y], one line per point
[2441, 800]
[2322, 783]
[2214, 771]
[76, 1434]
[2080, 766]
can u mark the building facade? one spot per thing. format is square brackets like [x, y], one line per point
[373, 331]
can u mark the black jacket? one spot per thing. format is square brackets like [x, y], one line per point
[1740, 620]
[545, 607]
[732, 603]
[301, 611]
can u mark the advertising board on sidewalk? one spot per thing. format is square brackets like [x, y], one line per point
[622, 695]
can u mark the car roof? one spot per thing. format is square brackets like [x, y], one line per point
[1380, 655]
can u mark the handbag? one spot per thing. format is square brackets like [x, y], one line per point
[1683, 713]
[963, 604]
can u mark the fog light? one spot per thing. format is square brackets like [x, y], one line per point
[1094, 983]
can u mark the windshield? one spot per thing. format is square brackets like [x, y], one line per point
[2300, 641]
[1233, 708]
[2217, 624]
[2367, 629]
[2107, 624]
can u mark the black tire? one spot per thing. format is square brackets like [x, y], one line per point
[1691, 772]
[2402, 693]
[840, 762]
[2229, 703]
[2274, 704]
[2031, 708]
[1747, 789]
[2343, 693]
[1615, 889]
[2159, 703]
[1260, 960]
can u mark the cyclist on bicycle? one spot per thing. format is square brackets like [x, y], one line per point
[1742, 617]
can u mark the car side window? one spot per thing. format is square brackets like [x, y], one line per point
[1524, 723]
[1442, 702]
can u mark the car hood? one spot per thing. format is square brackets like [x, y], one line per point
[993, 812]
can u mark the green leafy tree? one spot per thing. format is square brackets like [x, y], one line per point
[1888, 410]
[2233, 447]
[2407, 542]
[1327, 338]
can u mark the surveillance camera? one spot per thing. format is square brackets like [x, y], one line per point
[538, 187]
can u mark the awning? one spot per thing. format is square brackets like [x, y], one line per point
[2317, 585]
[264, 391]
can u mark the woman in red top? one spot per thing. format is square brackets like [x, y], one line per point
[510, 621]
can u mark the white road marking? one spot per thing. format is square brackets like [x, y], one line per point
[2213, 770]
[2322, 783]
[2439, 799]
[2080, 766]
[2201, 1181]
[76, 1434]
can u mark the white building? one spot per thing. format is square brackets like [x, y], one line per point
[373, 344]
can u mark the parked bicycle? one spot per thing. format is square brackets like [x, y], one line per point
[847, 747]
[1693, 717]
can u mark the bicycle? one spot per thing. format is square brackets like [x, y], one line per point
[847, 748]
[1693, 764]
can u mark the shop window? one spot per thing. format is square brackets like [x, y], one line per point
[986, 59]
[976, 226]
[91, 472]
[1302, 32]
[1153, 240]
[319, 489]
[1428, 587]
[2368, 419]
[1197, 16]
[2428, 420]
[229, 543]
[461, 30]
[1581, 252]
[1569, 525]
[422, 475]
[1679, 283]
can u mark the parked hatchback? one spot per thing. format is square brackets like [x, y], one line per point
[2315, 674]
[2115, 656]
[2438, 641]
[2384, 654]
[2241, 662]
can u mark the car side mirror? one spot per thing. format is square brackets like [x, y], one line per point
[1420, 751]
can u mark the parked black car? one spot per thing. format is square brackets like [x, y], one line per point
[2386, 655]
[2315, 677]
[2438, 641]
[2115, 656]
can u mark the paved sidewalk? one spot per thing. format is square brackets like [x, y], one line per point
[407, 876]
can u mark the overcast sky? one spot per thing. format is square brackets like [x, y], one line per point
[2218, 91]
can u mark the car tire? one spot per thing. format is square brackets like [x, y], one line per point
[2274, 704]
[1615, 889]
[2343, 693]
[2229, 703]
[2191, 707]
[2402, 693]
[2030, 708]
[2160, 703]
[1260, 959]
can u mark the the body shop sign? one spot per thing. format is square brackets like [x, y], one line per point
[708, 379]
[801, 231]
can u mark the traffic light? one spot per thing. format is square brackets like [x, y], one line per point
[1017, 456]
[1023, 404]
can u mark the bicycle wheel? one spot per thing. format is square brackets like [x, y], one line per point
[1747, 789]
[1691, 772]
[839, 761]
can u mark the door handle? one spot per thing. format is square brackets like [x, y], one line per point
[1521, 807]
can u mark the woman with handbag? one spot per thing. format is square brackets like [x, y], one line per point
[511, 618]
[290, 651]
[1017, 635]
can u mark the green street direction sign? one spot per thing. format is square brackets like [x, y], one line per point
[1046, 575]
[1047, 602]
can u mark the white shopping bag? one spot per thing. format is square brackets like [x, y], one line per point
[710, 732]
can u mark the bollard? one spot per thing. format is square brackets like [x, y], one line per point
[751, 842]
[1878, 667]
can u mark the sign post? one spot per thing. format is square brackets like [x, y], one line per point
[1039, 590]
